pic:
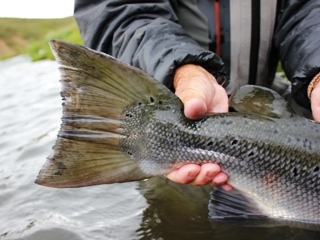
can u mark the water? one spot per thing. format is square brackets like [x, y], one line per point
[30, 111]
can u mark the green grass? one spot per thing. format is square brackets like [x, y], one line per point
[31, 36]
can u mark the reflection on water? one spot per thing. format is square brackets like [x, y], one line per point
[30, 111]
[181, 212]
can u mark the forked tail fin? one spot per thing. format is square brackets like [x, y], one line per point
[95, 90]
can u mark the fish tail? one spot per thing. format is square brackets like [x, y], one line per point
[96, 88]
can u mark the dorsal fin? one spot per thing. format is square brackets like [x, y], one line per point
[260, 100]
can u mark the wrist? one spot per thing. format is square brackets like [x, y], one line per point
[184, 71]
[313, 84]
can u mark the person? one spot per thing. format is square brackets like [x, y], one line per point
[203, 50]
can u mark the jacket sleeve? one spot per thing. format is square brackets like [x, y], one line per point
[144, 34]
[297, 37]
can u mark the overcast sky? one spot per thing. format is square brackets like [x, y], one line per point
[36, 8]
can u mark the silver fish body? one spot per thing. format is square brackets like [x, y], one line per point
[119, 125]
[270, 159]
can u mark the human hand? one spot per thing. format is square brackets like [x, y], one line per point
[199, 91]
[200, 94]
[208, 173]
[315, 102]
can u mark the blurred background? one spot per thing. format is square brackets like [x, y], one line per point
[27, 26]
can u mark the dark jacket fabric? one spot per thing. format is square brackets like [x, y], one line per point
[297, 40]
[158, 36]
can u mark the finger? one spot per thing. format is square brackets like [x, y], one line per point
[227, 187]
[220, 179]
[315, 103]
[185, 174]
[207, 173]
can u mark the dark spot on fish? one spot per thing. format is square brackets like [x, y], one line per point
[246, 122]
[139, 103]
[275, 131]
[151, 99]
[129, 115]
[307, 144]
[234, 142]
[229, 123]
[295, 172]
[209, 143]
[160, 102]
[316, 169]
[61, 167]
[223, 121]
[298, 139]
[168, 107]
[250, 154]
[129, 153]
[289, 140]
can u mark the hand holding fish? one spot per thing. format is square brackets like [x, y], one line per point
[200, 175]
[315, 101]
[199, 97]
[199, 91]
[119, 125]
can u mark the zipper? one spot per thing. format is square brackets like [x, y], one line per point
[255, 41]
[218, 27]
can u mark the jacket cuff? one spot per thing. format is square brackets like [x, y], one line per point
[206, 59]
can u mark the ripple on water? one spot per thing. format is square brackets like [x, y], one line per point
[30, 108]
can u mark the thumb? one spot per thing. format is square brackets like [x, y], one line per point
[199, 91]
[194, 101]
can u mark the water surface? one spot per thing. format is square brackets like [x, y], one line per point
[30, 111]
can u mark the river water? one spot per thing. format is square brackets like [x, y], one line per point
[30, 111]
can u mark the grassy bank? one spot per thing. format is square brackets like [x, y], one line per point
[31, 36]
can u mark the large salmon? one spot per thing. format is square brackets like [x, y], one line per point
[119, 124]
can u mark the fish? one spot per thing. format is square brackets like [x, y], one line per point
[119, 124]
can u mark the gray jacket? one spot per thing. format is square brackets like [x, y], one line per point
[243, 40]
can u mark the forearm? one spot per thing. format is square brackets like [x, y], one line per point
[145, 35]
[297, 38]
